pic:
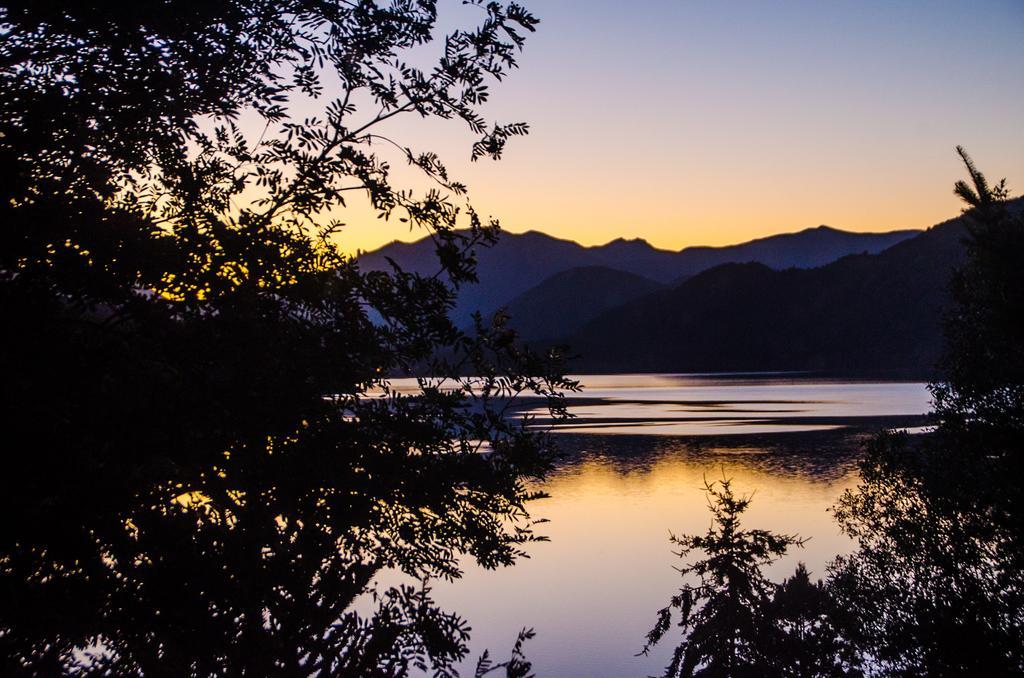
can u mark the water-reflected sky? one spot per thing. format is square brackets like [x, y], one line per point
[729, 404]
[592, 592]
[719, 405]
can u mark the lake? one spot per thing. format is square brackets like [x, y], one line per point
[636, 458]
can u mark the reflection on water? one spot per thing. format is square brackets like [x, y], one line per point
[592, 592]
[688, 405]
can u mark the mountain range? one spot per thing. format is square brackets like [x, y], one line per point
[862, 313]
[820, 300]
[519, 262]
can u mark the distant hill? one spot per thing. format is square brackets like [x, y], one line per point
[521, 261]
[809, 248]
[865, 312]
[566, 301]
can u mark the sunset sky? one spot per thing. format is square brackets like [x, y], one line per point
[696, 122]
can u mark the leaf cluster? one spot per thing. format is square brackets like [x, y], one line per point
[212, 463]
[935, 583]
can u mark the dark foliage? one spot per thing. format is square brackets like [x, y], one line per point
[934, 587]
[983, 394]
[936, 581]
[205, 465]
[738, 623]
[807, 632]
[516, 667]
[722, 614]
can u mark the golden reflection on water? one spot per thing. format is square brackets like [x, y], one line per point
[636, 474]
[592, 591]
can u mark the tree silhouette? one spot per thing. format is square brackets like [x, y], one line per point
[721, 616]
[934, 586]
[935, 582]
[806, 631]
[206, 465]
[982, 396]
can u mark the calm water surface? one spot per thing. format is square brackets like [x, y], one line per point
[636, 458]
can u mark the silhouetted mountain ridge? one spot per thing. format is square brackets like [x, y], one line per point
[566, 301]
[861, 313]
[521, 261]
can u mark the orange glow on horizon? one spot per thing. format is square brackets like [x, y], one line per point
[705, 124]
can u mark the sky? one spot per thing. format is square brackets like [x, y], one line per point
[704, 122]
